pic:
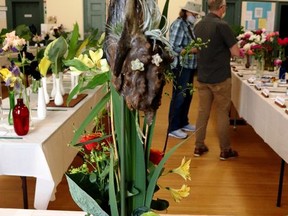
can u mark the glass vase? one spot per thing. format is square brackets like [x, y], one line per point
[269, 61]
[282, 74]
[259, 68]
[11, 96]
[248, 59]
[21, 119]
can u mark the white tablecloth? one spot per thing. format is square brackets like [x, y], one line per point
[26, 212]
[268, 119]
[22, 212]
[43, 153]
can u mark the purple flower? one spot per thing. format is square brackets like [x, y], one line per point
[14, 69]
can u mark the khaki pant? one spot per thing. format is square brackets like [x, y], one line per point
[220, 94]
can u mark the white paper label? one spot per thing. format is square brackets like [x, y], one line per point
[280, 100]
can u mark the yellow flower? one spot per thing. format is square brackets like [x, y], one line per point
[44, 65]
[103, 65]
[86, 60]
[96, 56]
[179, 194]
[5, 73]
[183, 169]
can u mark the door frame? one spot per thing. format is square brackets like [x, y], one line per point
[10, 15]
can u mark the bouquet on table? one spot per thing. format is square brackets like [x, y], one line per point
[263, 45]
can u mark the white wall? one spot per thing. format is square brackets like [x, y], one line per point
[174, 8]
[67, 12]
[3, 10]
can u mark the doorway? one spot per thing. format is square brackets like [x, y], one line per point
[94, 15]
[283, 30]
[27, 12]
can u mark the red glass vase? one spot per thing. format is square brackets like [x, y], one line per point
[21, 118]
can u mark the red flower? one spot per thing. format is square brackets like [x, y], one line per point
[92, 145]
[258, 32]
[156, 156]
[283, 42]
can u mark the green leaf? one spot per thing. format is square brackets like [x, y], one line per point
[79, 65]
[112, 190]
[73, 43]
[56, 49]
[164, 15]
[94, 112]
[75, 91]
[97, 80]
[83, 199]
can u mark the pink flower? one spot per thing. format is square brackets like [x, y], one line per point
[277, 62]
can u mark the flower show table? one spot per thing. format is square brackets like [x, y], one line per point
[269, 120]
[43, 153]
[25, 212]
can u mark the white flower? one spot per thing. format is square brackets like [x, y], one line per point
[156, 59]
[137, 65]
[247, 46]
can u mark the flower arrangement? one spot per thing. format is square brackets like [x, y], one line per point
[130, 166]
[13, 77]
[251, 42]
[264, 45]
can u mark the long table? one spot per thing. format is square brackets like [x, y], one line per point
[44, 152]
[21, 212]
[268, 119]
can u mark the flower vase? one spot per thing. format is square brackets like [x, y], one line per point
[58, 100]
[11, 106]
[53, 91]
[41, 104]
[74, 82]
[282, 74]
[247, 61]
[21, 118]
[259, 68]
[61, 83]
[45, 92]
[269, 61]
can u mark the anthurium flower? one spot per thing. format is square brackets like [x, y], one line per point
[179, 194]
[183, 169]
[156, 156]
[44, 65]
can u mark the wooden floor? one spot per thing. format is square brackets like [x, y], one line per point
[244, 186]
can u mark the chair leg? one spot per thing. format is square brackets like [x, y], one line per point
[24, 190]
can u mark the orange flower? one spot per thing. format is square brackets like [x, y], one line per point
[156, 156]
[92, 145]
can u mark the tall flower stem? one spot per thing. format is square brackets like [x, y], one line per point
[11, 104]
